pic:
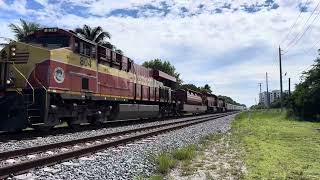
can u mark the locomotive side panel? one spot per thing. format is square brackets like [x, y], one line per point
[145, 93]
[193, 98]
[152, 94]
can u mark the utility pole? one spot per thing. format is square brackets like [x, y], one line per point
[260, 93]
[268, 97]
[260, 86]
[281, 91]
[289, 87]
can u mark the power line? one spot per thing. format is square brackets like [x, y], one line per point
[292, 26]
[303, 33]
[295, 40]
[315, 44]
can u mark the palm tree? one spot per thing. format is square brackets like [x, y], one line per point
[22, 30]
[95, 34]
[119, 51]
[114, 48]
[108, 45]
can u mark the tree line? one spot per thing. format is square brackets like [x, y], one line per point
[99, 35]
[168, 68]
[304, 101]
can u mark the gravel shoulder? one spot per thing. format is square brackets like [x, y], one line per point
[129, 161]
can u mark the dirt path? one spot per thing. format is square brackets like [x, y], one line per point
[219, 158]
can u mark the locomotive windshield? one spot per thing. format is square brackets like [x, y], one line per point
[51, 38]
[48, 41]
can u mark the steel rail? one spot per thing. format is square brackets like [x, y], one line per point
[7, 136]
[41, 148]
[24, 166]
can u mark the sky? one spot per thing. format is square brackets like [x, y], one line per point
[228, 44]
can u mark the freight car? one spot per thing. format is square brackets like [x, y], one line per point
[211, 102]
[221, 107]
[233, 107]
[190, 101]
[55, 75]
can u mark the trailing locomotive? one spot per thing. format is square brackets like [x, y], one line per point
[55, 75]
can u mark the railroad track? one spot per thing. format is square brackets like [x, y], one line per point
[45, 155]
[29, 134]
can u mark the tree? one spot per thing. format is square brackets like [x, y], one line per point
[258, 106]
[95, 34]
[119, 51]
[108, 45]
[305, 100]
[206, 89]
[164, 66]
[229, 100]
[22, 30]
[190, 86]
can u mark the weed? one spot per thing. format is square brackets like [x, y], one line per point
[208, 176]
[199, 164]
[164, 163]
[156, 177]
[185, 153]
[212, 167]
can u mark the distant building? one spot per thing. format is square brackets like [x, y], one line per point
[263, 98]
[273, 96]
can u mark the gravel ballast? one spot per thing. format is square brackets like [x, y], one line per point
[37, 141]
[131, 160]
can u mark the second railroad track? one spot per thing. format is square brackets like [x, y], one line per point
[22, 160]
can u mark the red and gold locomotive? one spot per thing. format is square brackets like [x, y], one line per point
[55, 75]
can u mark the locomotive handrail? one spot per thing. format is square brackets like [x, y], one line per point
[35, 77]
[14, 66]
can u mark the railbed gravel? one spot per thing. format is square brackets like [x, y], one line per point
[131, 160]
[37, 141]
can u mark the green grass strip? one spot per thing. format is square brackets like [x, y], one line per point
[278, 147]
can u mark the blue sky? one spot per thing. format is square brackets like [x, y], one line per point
[227, 44]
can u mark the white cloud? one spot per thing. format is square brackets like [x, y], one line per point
[246, 43]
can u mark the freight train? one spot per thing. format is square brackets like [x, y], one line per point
[55, 75]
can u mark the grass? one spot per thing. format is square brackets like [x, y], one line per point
[208, 176]
[164, 163]
[185, 153]
[278, 147]
[167, 161]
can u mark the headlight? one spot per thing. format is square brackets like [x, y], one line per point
[9, 81]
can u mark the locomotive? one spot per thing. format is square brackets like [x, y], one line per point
[55, 75]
